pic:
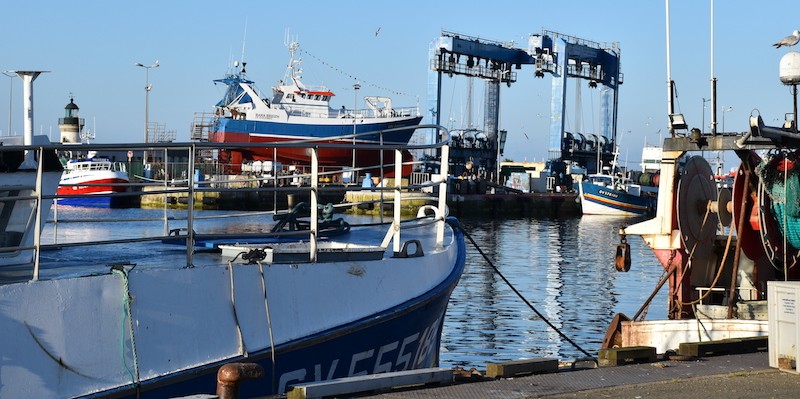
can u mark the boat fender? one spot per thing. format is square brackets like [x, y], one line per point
[404, 251]
[623, 258]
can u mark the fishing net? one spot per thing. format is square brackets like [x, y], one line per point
[781, 178]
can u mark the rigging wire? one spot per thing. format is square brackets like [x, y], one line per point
[541, 316]
[347, 74]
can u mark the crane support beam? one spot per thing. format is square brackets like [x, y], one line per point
[559, 55]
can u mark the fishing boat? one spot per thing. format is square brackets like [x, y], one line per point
[605, 194]
[88, 181]
[615, 194]
[299, 112]
[125, 315]
[729, 257]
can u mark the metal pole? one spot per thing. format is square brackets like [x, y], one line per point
[794, 95]
[725, 110]
[670, 106]
[354, 176]
[11, 75]
[147, 88]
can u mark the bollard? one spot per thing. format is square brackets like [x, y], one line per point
[231, 375]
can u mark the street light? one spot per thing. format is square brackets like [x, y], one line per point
[356, 86]
[11, 75]
[147, 88]
[724, 111]
[703, 128]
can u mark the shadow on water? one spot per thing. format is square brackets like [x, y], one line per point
[565, 268]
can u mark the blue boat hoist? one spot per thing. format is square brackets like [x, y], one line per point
[561, 56]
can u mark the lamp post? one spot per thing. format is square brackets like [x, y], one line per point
[147, 88]
[11, 75]
[725, 110]
[703, 127]
[356, 86]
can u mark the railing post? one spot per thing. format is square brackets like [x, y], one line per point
[398, 182]
[314, 203]
[37, 228]
[190, 215]
[443, 193]
[166, 219]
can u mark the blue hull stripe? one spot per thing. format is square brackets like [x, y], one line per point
[305, 131]
[619, 201]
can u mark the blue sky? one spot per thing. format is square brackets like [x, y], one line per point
[91, 47]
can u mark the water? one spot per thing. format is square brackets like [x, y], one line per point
[563, 267]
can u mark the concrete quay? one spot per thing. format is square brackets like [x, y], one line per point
[718, 377]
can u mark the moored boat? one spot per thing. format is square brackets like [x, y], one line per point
[88, 181]
[603, 194]
[615, 194]
[723, 251]
[152, 320]
[299, 112]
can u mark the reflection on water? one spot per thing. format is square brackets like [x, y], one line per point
[564, 268]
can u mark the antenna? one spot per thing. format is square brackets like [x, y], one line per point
[244, 39]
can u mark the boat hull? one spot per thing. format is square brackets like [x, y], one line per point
[92, 190]
[183, 324]
[243, 131]
[403, 338]
[600, 200]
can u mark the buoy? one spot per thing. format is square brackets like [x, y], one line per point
[623, 258]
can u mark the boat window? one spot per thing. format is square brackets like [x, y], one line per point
[15, 216]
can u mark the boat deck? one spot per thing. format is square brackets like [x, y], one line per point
[67, 261]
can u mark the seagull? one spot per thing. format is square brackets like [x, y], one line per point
[378, 31]
[789, 41]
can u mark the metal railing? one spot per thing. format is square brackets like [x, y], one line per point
[190, 186]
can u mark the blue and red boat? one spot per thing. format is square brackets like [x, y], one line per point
[299, 112]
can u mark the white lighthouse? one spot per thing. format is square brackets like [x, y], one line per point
[71, 124]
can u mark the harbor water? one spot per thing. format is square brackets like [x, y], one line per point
[564, 267]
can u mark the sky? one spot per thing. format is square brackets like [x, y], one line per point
[91, 48]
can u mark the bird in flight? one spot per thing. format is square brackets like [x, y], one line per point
[790, 40]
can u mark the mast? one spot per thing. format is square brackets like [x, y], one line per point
[713, 79]
[670, 85]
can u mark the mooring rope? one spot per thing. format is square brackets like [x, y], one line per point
[235, 315]
[541, 316]
[127, 317]
[269, 322]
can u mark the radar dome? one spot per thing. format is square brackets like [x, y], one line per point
[790, 68]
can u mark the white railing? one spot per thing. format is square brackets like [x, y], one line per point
[189, 187]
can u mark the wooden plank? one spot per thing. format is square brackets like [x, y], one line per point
[521, 367]
[724, 346]
[351, 385]
[620, 356]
